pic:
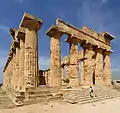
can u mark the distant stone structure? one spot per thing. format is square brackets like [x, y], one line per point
[21, 71]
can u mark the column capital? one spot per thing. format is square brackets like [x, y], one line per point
[13, 32]
[105, 52]
[31, 22]
[72, 39]
[53, 31]
[21, 33]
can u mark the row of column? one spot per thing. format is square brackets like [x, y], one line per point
[92, 66]
[23, 63]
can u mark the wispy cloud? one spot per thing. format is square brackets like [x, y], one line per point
[20, 1]
[104, 1]
[97, 17]
[44, 62]
[4, 28]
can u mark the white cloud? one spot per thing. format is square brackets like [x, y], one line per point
[44, 62]
[96, 17]
[4, 28]
[20, 1]
[104, 1]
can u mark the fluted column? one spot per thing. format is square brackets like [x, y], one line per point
[55, 57]
[31, 25]
[48, 77]
[62, 74]
[82, 77]
[21, 36]
[31, 58]
[67, 71]
[99, 67]
[107, 71]
[31, 71]
[17, 45]
[73, 67]
[13, 68]
[89, 66]
[10, 73]
[5, 79]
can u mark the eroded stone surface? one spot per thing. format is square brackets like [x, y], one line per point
[90, 66]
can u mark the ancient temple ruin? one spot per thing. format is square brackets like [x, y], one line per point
[21, 71]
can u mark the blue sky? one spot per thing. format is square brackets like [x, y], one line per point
[100, 15]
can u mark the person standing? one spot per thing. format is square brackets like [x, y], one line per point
[91, 92]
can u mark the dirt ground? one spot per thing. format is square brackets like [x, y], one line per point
[106, 106]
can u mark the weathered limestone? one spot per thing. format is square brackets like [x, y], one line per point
[99, 67]
[15, 46]
[55, 60]
[84, 35]
[73, 67]
[21, 73]
[21, 37]
[32, 25]
[88, 67]
[17, 63]
[107, 72]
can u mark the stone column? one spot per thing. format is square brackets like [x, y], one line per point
[55, 57]
[62, 74]
[6, 77]
[88, 65]
[82, 77]
[13, 68]
[73, 67]
[10, 73]
[21, 85]
[31, 58]
[67, 71]
[31, 25]
[107, 71]
[48, 77]
[99, 67]
[17, 72]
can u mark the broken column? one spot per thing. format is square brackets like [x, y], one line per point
[107, 71]
[31, 71]
[55, 57]
[73, 66]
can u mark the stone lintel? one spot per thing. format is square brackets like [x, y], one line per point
[53, 31]
[83, 34]
[97, 48]
[29, 21]
[108, 35]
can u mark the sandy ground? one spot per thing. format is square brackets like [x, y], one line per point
[106, 106]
